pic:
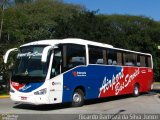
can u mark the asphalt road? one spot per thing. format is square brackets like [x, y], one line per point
[145, 103]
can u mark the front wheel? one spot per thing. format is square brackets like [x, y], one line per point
[77, 98]
[136, 90]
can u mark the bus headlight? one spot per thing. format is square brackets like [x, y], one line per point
[41, 92]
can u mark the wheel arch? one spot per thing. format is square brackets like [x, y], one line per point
[82, 88]
[137, 83]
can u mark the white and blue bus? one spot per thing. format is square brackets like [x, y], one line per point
[74, 70]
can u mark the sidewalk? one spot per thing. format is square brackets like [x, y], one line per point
[4, 96]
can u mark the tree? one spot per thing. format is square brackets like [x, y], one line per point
[32, 20]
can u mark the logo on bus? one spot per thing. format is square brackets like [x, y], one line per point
[79, 74]
[56, 83]
[119, 81]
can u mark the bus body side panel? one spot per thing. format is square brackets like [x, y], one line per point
[56, 89]
[103, 81]
[145, 79]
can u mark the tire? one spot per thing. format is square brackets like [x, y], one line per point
[136, 90]
[77, 98]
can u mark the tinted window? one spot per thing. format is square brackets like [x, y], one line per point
[111, 57]
[96, 55]
[73, 55]
[138, 61]
[56, 65]
[129, 59]
[142, 61]
[119, 58]
[145, 61]
[149, 61]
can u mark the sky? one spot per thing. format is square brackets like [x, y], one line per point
[148, 8]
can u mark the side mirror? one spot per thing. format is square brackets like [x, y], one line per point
[7, 54]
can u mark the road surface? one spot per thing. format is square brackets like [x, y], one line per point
[143, 104]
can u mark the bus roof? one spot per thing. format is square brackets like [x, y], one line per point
[53, 42]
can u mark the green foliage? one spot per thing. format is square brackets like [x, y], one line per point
[31, 20]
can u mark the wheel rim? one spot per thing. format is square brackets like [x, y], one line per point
[136, 90]
[77, 98]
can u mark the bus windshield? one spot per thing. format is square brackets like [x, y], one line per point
[28, 65]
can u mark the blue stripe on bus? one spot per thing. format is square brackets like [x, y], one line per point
[90, 77]
[30, 87]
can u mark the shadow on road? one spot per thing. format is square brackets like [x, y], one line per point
[45, 107]
[155, 91]
[49, 107]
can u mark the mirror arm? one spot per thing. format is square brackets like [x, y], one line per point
[45, 53]
[5, 57]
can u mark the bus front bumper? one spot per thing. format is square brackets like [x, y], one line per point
[31, 99]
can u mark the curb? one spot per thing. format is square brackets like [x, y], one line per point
[4, 96]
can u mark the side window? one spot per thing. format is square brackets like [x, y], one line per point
[138, 61]
[56, 64]
[149, 61]
[73, 55]
[111, 57]
[119, 58]
[146, 61]
[129, 59]
[96, 55]
[142, 61]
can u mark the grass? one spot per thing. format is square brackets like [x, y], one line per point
[156, 82]
[4, 96]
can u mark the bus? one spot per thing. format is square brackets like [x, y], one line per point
[73, 70]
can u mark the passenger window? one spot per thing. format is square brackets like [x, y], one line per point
[119, 58]
[73, 55]
[142, 61]
[112, 57]
[129, 59]
[96, 55]
[138, 61]
[149, 61]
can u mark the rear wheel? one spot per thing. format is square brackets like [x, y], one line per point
[78, 98]
[136, 90]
